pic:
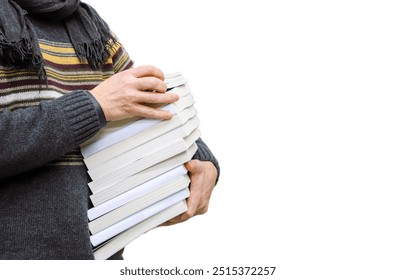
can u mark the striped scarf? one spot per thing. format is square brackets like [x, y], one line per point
[19, 46]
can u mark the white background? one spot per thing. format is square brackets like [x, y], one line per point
[297, 102]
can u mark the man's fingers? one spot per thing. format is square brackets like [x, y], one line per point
[192, 209]
[176, 220]
[157, 98]
[151, 113]
[192, 205]
[193, 166]
[147, 71]
[150, 84]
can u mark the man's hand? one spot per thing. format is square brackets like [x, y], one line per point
[203, 176]
[130, 93]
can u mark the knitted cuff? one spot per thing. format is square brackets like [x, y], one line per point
[99, 110]
[204, 154]
[80, 113]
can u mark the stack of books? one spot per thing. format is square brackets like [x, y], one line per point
[137, 169]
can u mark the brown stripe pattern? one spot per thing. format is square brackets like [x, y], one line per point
[20, 88]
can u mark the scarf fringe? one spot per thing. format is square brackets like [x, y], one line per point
[22, 53]
[95, 53]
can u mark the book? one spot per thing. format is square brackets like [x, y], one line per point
[143, 176]
[106, 250]
[144, 149]
[174, 79]
[138, 217]
[154, 195]
[137, 192]
[141, 138]
[173, 148]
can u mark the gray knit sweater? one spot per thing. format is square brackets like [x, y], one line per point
[44, 196]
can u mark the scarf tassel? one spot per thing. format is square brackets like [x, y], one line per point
[22, 53]
[96, 53]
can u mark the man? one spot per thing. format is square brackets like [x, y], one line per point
[63, 75]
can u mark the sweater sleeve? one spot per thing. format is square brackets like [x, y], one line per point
[204, 154]
[34, 136]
